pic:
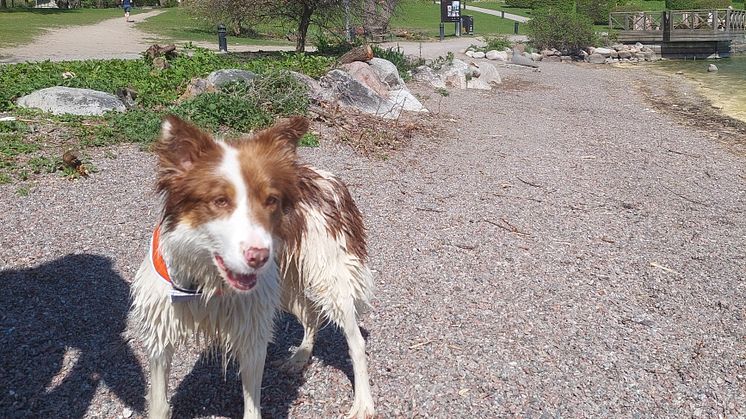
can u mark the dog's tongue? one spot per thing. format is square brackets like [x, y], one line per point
[243, 282]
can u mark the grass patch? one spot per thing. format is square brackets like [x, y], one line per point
[19, 26]
[235, 109]
[423, 17]
[177, 25]
[500, 6]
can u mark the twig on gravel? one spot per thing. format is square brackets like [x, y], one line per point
[528, 183]
[665, 268]
[428, 209]
[507, 227]
[421, 344]
[696, 156]
[694, 201]
[462, 246]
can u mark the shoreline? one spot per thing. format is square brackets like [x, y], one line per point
[687, 101]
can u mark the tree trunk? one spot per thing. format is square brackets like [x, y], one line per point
[3, 4]
[303, 23]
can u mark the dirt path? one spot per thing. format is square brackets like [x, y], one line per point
[560, 249]
[111, 38]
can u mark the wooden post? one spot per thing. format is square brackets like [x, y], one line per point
[727, 21]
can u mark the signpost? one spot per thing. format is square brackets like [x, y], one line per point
[450, 11]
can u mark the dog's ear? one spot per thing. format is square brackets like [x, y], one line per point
[181, 144]
[285, 132]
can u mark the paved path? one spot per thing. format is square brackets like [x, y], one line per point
[510, 16]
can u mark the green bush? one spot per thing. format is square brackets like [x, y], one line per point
[523, 4]
[566, 31]
[597, 10]
[697, 4]
[397, 57]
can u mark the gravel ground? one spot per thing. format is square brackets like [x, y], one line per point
[561, 249]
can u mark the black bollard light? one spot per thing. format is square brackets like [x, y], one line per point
[222, 41]
[515, 28]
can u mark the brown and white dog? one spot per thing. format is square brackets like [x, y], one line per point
[246, 228]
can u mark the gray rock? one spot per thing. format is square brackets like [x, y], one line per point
[536, 56]
[220, 78]
[479, 54]
[469, 53]
[605, 52]
[614, 54]
[639, 45]
[387, 72]
[553, 59]
[67, 100]
[315, 91]
[712, 68]
[483, 76]
[618, 47]
[497, 55]
[596, 58]
[346, 91]
[364, 73]
[625, 54]
[403, 99]
[566, 58]
[426, 74]
[351, 93]
[524, 61]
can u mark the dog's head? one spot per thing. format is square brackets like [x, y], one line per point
[229, 196]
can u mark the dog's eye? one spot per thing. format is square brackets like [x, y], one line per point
[271, 201]
[220, 202]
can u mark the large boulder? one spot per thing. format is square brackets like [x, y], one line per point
[454, 73]
[403, 99]
[315, 91]
[68, 100]
[363, 73]
[347, 91]
[497, 55]
[596, 59]
[220, 78]
[386, 72]
[521, 59]
[605, 52]
[426, 74]
[482, 76]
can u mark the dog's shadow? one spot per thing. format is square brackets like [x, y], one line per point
[206, 391]
[61, 327]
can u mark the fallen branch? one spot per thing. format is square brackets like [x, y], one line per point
[528, 183]
[665, 268]
[685, 197]
[419, 345]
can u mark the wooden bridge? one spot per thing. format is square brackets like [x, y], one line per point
[682, 32]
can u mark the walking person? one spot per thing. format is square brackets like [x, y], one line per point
[127, 5]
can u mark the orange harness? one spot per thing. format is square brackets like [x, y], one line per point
[159, 265]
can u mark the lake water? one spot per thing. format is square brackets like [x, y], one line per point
[726, 87]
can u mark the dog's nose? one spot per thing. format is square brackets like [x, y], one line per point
[256, 257]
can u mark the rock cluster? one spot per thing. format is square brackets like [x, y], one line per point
[457, 73]
[621, 53]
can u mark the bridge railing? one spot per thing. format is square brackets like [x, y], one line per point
[636, 21]
[714, 21]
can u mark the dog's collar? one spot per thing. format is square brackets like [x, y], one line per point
[161, 269]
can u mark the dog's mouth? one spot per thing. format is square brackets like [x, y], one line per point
[241, 282]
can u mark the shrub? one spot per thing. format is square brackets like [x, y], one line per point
[497, 42]
[523, 4]
[697, 4]
[403, 63]
[566, 31]
[597, 10]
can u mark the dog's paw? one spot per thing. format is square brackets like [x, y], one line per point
[361, 411]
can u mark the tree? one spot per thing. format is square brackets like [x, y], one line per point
[376, 16]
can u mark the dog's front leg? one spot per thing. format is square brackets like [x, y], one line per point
[160, 366]
[252, 368]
